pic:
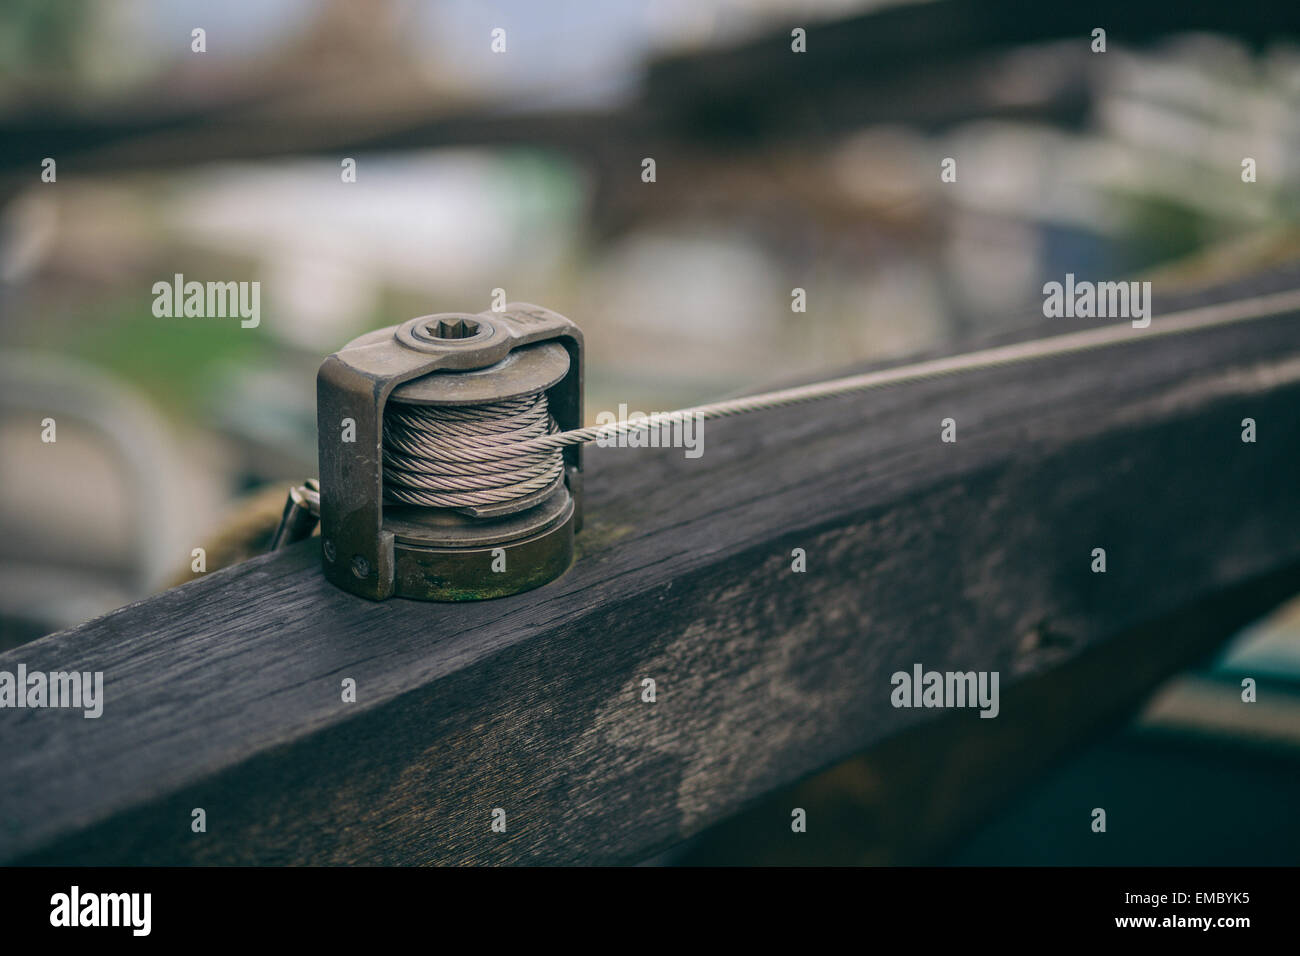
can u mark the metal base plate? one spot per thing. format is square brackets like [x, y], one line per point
[481, 567]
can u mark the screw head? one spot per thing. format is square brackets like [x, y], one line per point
[452, 327]
[360, 566]
[329, 550]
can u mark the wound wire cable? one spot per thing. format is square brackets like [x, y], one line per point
[433, 453]
[458, 456]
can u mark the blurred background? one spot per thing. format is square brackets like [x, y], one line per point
[522, 170]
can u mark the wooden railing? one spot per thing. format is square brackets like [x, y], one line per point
[226, 694]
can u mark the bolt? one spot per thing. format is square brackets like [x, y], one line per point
[329, 550]
[360, 566]
[452, 329]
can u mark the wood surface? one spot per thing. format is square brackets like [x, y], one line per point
[225, 693]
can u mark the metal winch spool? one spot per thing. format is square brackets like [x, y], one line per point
[451, 445]
[422, 491]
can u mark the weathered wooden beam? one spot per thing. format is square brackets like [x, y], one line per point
[909, 798]
[224, 694]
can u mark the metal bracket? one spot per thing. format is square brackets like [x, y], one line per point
[353, 386]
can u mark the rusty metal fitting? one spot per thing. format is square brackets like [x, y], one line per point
[417, 499]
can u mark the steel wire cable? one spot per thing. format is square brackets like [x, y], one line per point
[432, 453]
[459, 456]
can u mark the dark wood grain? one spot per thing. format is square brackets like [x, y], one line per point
[225, 693]
[914, 795]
